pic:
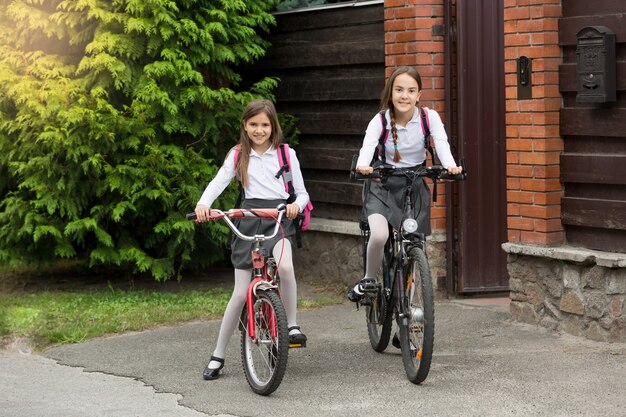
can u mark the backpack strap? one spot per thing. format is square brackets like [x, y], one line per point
[379, 152]
[284, 161]
[429, 148]
[426, 131]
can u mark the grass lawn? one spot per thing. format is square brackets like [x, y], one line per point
[47, 313]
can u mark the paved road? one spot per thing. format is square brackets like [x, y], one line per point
[484, 365]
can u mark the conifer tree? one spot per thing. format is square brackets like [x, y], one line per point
[111, 117]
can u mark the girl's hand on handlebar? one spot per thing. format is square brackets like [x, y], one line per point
[454, 170]
[202, 213]
[292, 210]
[364, 170]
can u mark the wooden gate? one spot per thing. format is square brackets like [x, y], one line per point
[331, 63]
[593, 164]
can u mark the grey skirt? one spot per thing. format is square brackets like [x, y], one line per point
[240, 249]
[388, 199]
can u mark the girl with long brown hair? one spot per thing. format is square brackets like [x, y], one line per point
[382, 203]
[256, 168]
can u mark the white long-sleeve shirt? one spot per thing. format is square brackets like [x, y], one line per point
[263, 183]
[410, 141]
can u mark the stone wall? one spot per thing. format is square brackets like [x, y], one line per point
[332, 252]
[573, 290]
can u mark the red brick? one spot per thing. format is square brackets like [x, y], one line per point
[525, 197]
[512, 157]
[510, 27]
[516, 13]
[514, 236]
[548, 198]
[516, 39]
[553, 225]
[394, 25]
[525, 171]
[541, 212]
[548, 144]
[520, 223]
[549, 171]
[512, 209]
[513, 184]
[530, 25]
[540, 184]
[546, 239]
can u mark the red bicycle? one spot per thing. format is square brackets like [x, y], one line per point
[263, 323]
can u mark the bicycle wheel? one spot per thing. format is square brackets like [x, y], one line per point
[265, 359]
[378, 313]
[417, 328]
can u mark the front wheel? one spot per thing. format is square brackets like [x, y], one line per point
[265, 359]
[417, 328]
[379, 312]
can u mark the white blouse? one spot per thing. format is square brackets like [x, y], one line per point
[263, 183]
[410, 141]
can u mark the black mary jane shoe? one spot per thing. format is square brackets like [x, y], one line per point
[298, 339]
[210, 374]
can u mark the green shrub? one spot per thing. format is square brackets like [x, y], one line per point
[113, 118]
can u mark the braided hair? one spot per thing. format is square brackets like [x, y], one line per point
[386, 102]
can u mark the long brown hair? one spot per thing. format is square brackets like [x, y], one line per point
[254, 108]
[386, 102]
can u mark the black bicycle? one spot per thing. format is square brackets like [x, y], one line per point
[404, 284]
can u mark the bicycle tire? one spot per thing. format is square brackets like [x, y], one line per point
[379, 314]
[417, 329]
[265, 360]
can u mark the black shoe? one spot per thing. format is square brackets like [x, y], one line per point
[365, 285]
[210, 374]
[298, 339]
[395, 341]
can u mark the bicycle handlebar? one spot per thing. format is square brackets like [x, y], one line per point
[435, 172]
[264, 213]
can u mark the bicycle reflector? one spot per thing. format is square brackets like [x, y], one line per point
[409, 225]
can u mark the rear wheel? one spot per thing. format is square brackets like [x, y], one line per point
[265, 359]
[379, 313]
[417, 329]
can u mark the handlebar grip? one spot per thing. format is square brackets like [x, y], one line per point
[457, 177]
[191, 216]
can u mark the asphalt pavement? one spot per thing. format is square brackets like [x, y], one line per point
[484, 365]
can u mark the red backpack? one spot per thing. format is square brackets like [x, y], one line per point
[284, 162]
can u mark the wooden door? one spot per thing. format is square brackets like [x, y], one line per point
[481, 222]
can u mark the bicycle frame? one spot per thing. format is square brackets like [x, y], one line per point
[261, 278]
[265, 281]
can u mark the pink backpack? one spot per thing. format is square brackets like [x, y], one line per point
[284, 162]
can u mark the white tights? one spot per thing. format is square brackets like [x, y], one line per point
[288, 295]
[379, 233]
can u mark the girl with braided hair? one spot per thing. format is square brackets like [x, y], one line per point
[382, 203]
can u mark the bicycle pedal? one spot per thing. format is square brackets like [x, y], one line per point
[297, 345]
[365, 301]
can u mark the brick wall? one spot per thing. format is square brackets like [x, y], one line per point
[409, 40]
[533, 143]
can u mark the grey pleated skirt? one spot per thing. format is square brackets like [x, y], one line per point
[387, 199]
[240, 249]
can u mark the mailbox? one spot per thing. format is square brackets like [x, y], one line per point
[595, 65]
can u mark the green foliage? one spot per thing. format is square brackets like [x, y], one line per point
[113, 118]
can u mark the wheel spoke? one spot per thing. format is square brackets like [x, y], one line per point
[265, 359]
